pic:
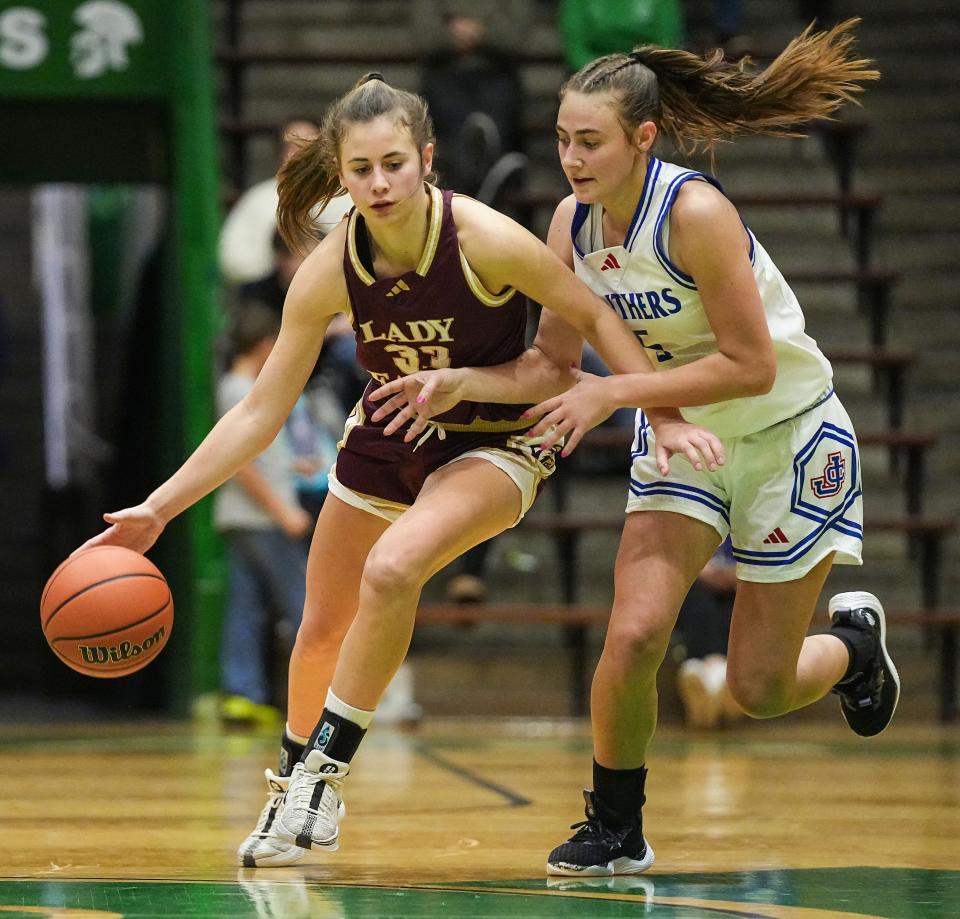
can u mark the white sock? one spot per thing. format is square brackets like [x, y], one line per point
[359, 716]
[296, 738]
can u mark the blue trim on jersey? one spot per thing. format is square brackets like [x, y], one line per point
[847, 526]
[678, 490]
[681, 278]
[838, 434]
[789, 556]
[643, 205]
[825, 520]
[849, 529]
[580, 216]
[641, 444]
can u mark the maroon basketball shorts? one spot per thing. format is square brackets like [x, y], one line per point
[384, 475]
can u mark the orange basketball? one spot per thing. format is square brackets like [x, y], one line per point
[106, 611]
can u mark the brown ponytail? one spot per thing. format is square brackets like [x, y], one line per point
[698, 101]
[310, 178]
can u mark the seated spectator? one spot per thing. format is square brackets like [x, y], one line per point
[245, 249]
[704, 626]
[313, 439]
[337, 365]
[468, 584]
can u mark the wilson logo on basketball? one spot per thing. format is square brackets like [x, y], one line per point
[105, 654]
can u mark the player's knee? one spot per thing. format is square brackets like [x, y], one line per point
[315, 639]
[636, 645]
[760, 697]
[391, 571]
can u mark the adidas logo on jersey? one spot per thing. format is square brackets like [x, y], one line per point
[398, 288]
[776, 538]
[610, 262]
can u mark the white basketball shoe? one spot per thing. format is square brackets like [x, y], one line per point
[263, 848]
[310, 817]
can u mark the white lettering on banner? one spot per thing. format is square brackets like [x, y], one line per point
[109, 28]
[23, 41]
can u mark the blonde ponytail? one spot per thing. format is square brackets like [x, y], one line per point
[699, 101]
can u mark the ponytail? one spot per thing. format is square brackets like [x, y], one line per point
[699, 101]
[311, 177]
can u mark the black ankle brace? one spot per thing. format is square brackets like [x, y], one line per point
[291, 753]
[861, 647]
[619, 794]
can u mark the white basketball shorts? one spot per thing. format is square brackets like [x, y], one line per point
[788, 495]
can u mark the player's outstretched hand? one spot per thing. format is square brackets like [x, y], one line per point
[417, 398]
[699, 446]
[135, 528]
[571, 414]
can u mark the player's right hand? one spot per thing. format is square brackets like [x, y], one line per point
[136, 528]
[417, 398]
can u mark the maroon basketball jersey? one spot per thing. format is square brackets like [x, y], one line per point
[438, 315]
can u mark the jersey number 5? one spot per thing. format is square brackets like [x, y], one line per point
[662, 353]
[427, 357]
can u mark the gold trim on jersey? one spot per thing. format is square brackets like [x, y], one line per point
[481, 292]
[429, 250]
[356, 418]
[361, 272]
[376, 501]
[433, 234]
[489, 427]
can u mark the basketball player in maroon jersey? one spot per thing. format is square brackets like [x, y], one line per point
[429, 280]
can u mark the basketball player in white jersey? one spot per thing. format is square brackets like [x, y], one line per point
[669, 253]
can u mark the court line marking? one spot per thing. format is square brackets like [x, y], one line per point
[723, 907]
[513, 799]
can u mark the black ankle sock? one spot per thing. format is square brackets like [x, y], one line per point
[335, 736]
[291, 753]
[618, 793]
[861, 646]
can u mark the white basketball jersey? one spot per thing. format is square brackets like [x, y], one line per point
[660, 303]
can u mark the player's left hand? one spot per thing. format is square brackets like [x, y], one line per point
[698, 445]
[573, 413]
[417, 398]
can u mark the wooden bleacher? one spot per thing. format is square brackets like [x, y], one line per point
[856, 213]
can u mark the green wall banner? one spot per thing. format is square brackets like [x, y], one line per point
[85, 48]
[113, 91]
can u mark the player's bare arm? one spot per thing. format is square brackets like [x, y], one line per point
[316, 294]
[503, 254]
[707, 240]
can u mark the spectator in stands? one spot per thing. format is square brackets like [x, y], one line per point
[726, 336]
[468, 583]
[589, 28]
[314, 445]
[263, 525]
[428, 277]
[246, 240]
[703, 626]
[471, 81]
[337, 366]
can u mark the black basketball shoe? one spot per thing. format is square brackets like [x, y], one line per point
[598, 850]
[868, 698]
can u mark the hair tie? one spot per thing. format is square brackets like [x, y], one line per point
[372, 76]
